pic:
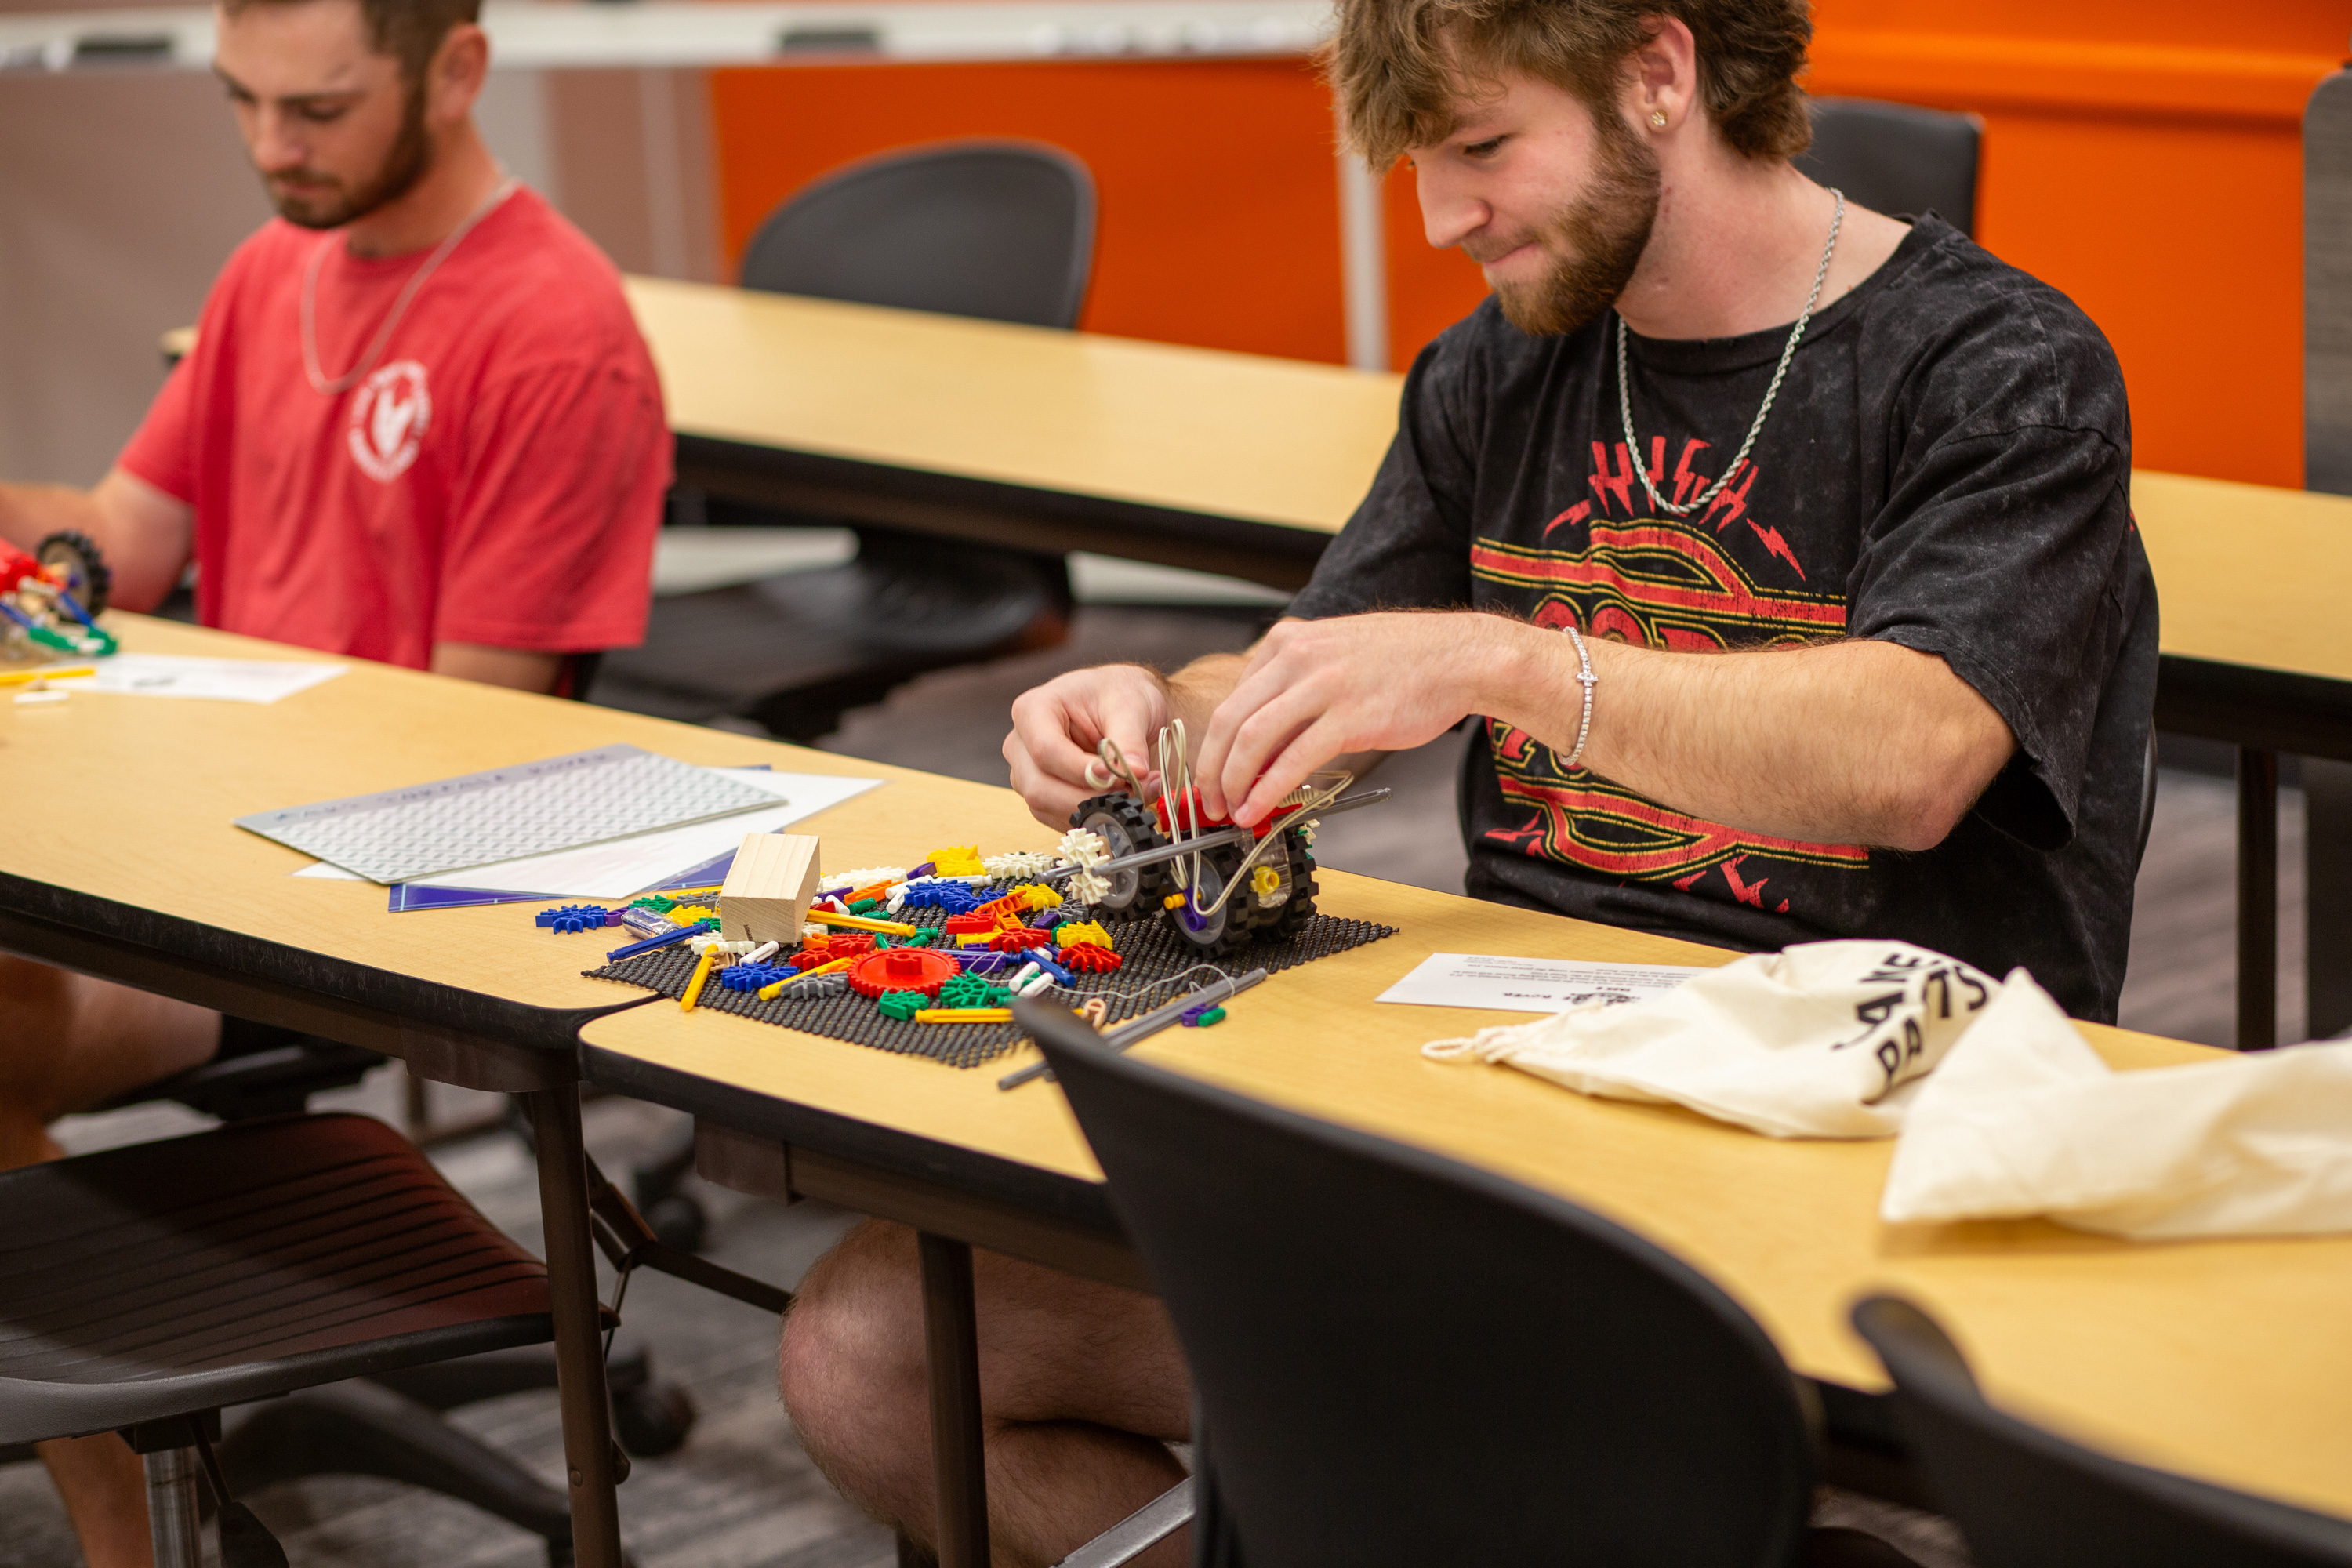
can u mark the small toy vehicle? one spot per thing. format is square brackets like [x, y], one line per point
[1240, 886]
[51, 598]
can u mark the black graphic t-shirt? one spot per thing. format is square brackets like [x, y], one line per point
[1947, 467]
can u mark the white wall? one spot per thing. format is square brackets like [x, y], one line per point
[120, 194]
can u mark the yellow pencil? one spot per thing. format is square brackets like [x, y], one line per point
[694, 986]
[62, 672]
[859, 922]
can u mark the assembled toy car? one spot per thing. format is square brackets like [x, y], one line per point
[51, 598]
[1237, 886]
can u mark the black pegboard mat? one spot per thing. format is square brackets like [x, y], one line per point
[1155, 957]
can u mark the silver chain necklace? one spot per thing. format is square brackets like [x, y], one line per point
[1625, 397]
[319, 381]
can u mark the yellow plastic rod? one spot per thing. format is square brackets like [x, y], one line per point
[963, 1016]
[694, 986]
[769, 993]
[859, 922]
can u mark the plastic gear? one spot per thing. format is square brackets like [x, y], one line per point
[1118, 826]
[87, 579]
[1019, 940]
[1020, 864]
[918, 969]
[970, 991]
[574, 917]
[1091, 958]
[751, 976]
[902, 1005]
[812, 990]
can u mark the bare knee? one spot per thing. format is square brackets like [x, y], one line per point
[851, 1369]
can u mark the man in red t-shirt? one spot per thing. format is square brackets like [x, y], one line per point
[418, 426]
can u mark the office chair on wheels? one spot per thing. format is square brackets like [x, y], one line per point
[1000, 231]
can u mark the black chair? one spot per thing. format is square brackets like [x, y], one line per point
[1001, 231]
[143, 1289]
[1895, 158]
[387, 1423]
[1402, 1360]
[2025, 1498]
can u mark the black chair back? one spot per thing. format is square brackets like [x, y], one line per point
[2028, 1498]
[1001, 230]
[1896, 158]
[1399, 1360]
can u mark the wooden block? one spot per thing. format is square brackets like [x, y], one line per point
[768, 890]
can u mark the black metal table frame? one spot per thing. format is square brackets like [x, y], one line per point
[2262, 713]
[466, 1039]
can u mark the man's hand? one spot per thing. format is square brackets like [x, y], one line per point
[520, 669]
[1317, 691]
[1057, 727]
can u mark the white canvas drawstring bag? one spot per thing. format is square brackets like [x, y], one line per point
[2023, 1118]
[1821, 1040]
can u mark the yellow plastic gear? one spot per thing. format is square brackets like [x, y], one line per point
[1082, 931]
[687, 914]
[957, 861]
[1036, 896]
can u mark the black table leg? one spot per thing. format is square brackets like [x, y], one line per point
[2257, 899]
[951, 1337]
[579, 1339]
[2326, 904]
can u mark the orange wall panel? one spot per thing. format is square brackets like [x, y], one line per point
[1220, 198]
[2145, 156]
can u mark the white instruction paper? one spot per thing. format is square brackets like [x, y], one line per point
[217, 679]
[620, 867]
[1530, 984]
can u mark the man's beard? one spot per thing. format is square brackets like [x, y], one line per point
[1595, 244]
[337, 205]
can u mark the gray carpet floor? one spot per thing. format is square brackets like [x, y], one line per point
[740, 1494]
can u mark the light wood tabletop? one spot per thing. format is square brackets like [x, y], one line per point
[132, 800]
[2226, 1360]
[1226, 434]
[2249, 574]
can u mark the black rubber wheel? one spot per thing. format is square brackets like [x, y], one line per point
[1288, 918]
[652, 1420]
[86, 577]
[1243, 922]
[679, 1221]
[1125, 827]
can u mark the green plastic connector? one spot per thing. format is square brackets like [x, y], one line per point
[655, 902]
[902, 1005]
[1213, 1015]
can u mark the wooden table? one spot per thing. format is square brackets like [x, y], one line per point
[2257, 651]
[2141, 1348]
[122, 860]
[1021, 436]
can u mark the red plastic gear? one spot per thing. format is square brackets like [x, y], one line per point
[1019, 940]
[1091, 957]
[845, 944]
[903, 969]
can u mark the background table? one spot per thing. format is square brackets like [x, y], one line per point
[122, 860]
[2143, 1349]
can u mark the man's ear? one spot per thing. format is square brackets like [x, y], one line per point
[1661, 77]
[455, 77]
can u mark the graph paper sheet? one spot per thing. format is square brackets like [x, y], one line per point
[560, 803]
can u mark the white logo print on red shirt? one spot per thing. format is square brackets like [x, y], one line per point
[389, 418]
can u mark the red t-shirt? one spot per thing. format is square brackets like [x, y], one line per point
[497, 478]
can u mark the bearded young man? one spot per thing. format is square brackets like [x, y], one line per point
[1783, 550]
[418, 426]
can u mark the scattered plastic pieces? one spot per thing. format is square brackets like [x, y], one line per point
[1091, 958]
[1203, 1018]
[749, 976]
[572, 919]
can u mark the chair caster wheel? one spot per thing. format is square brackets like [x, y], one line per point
[652, 1420]
[679, 1221]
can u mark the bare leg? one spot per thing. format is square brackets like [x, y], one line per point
[1081, 1385]
[73, 1043]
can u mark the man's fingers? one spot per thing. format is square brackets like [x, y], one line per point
[1259, 740]
[1267, 679]
[1292, 767]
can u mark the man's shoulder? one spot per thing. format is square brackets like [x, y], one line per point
[1952, 309]
[548, 292]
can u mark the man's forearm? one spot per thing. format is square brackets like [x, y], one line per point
[1194, 691]
[1854, 742]
[30, 513]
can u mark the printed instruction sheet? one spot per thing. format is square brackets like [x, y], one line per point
[1530, 984]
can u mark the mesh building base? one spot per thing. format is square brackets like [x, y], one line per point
[1159, 967]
